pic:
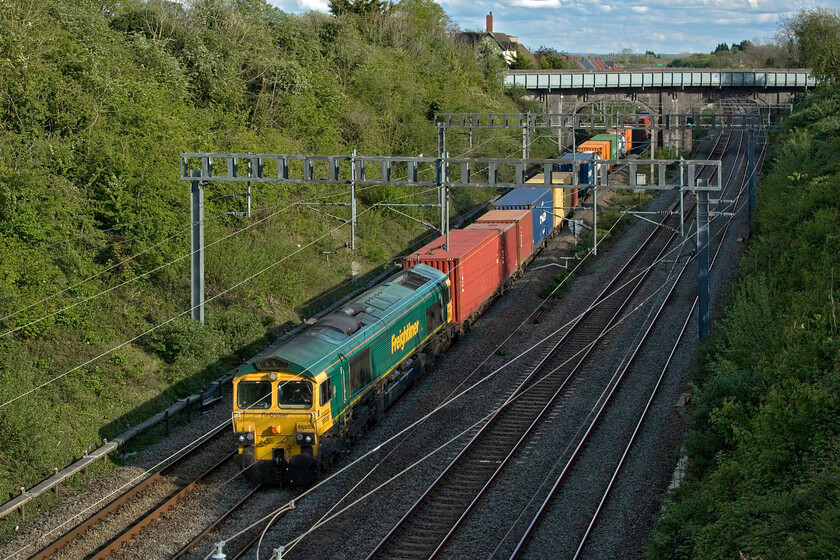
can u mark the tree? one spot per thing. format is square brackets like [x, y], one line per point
[722, 47]
[521, 62]
[339, 7]
[491, 63]
[813, 37]
[549, 59]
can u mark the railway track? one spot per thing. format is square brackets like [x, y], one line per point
[558, 380]
[535, 524]
[216, 524]
[379, 470]
[179, 477]
[436, 516]
[431, 522]
[240, 543]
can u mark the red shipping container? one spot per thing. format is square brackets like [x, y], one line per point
[473, 263]
[524, 231]
[509, 245]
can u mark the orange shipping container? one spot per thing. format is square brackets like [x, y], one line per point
[628, 136]
[602, 147]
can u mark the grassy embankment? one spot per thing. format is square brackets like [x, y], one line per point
[99, 98]
[764, 476]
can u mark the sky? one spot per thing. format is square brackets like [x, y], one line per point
[608, 26]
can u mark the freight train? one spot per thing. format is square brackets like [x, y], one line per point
[300, 403]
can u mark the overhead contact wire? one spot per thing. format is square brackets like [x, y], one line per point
[679, 248]
[478, 383]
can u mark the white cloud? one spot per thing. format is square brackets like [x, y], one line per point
[320, 5]
[667, 26]
[541, 4]
[746, 19]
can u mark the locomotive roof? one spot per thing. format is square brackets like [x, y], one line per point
[314, 348]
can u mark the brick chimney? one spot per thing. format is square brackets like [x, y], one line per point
[489, 24]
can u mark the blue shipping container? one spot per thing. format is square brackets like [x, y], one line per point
[538, 201]
[587, 172]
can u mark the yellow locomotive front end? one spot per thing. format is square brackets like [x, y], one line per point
[275, 422]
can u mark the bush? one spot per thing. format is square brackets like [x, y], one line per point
[96, 102]
[763, 478]
[184, 339]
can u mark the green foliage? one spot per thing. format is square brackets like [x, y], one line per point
[183, 339]
[521, 62]
[697, 60]
[339, 7]
[97, 99]
[814, 36]
[523, 101]
[555, 287]
[763, 478]
[492, 64]
[549, 58]
[738, 55]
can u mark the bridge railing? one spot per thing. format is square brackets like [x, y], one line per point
[672, 78]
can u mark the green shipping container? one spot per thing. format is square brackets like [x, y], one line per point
[611, 138]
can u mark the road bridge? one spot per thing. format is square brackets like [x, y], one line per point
[670, 91]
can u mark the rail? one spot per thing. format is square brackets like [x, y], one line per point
[547, 501]
[424, 529]
[108, 447]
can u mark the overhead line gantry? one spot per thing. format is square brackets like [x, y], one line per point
[354, 170]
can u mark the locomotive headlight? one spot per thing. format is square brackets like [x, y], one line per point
[244, 438]
[305, 439]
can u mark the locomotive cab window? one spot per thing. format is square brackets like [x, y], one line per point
[360, 369]
[253, 394]
[325, 392]
[294, 394]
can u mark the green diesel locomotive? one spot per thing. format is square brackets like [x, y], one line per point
[297, 405]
